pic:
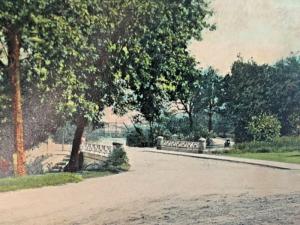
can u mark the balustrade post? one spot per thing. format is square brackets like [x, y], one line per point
[160, 141]
[201, 145]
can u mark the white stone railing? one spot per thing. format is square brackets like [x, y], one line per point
[181, 146]
[102, 150]
[95, 155]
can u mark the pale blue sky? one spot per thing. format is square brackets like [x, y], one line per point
[266, 30]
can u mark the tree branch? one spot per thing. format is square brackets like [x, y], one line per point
[3, 47]
[2, 65]
[186, 109]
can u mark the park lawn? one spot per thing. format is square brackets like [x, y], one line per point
[287, 157]
[49, 179]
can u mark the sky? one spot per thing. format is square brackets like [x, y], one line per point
[267, 30]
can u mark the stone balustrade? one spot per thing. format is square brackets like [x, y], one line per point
[95, 149]
[95, 155]
[181, 146]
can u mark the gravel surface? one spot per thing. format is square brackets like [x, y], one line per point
[225, 210]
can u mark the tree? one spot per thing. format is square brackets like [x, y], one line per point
[199, 93]
[187, 88]
[100, 85]
[284, 92]
[254, 89]
[246, 94]
[158, 60]
[47, 33]
[81, 46]
[208, 98]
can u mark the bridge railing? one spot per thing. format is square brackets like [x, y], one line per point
[181, 146]
[95, 155]
[96, 149]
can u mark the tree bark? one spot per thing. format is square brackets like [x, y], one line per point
[191, 121]
[210, 127]
[14, 45]
[74, 165]
[210, 115]
[151, 137]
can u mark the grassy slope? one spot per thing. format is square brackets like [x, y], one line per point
[18, 183]
[288, 157]
[282, 149]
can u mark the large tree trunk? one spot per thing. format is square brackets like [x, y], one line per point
[14, 45]
[191, 122]
[73, 165]
[151, 136]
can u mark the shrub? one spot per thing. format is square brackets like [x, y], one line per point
[117, 160]
[138, 137]
[264, 127]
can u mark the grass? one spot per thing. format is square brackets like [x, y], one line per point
[282, 144]
[116, 163]
[287, 157]
[49, 179]
[283, 149]
[17, 183]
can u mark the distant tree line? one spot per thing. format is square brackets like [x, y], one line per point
[245, 104]
[252, 90]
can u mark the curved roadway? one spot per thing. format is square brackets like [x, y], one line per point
[164, 189]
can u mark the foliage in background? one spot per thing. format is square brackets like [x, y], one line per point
[170, 126]
[294, 120]
[264, 127]
[209, 95]
[253, 89]
[198, 95]
[64, 134]
[138, 136]
[223, 125]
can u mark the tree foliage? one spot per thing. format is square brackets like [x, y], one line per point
[264, 127]
[46, 36]
[157, 59]
[254, 89]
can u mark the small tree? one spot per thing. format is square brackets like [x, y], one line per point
[264, 127]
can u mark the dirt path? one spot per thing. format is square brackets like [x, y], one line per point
[164, 189]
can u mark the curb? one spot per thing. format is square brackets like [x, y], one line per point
[263, 163]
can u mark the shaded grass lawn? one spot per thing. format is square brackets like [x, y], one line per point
[50, 179]
[287, 157]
